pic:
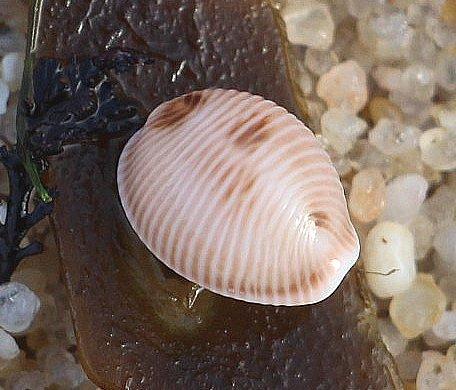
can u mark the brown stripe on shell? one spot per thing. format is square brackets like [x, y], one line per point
[234, 193]
[178, 109]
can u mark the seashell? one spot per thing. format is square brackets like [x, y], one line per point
[234, 193]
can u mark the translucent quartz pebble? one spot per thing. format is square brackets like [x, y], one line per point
[415, 14]
[445, 244]
[389, 260]
[432, 340]
[66, 374]
[392, 338]
[342, 128]
[387, 77]
[320, 61]
[389, 35]
[11, 70]
[344, 86]
[442, 34]
[393, 138]
[418, 308]
[447, 284]
[422, 229]
[445, 116]
[445, 329]
[309, 22]
[408, 364]
[8, 346]
[437, 371]
[315, 109]
[26, 380]
[402, 4]
[438, 148]
[4, 96]
[441, 206]
[60, 367]
[418, 82]
[367, 195]
[446, 69]
[18, 307]
[381, 107]
[369, 156]
[305, 82]
[362, 8]
[416, 110]
[404, 197]
[410, 162]
[423, 49]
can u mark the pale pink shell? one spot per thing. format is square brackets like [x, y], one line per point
[234, 193]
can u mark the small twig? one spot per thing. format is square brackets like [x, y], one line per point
[394, 270]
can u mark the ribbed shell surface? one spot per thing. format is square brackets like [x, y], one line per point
[234, 193]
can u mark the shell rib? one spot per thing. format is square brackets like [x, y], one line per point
[234, 193]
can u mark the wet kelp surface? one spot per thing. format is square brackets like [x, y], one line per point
[96, 68]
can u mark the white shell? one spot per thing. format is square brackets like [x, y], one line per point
[234, 193]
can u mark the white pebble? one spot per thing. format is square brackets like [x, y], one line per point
[392, 338]
[18, 307]
[4, 96]
[309, 23]
[436, 372]
[12, 67]
[445, 245]
[445, 329]
[8, 346]
[388, 35]
[344, 86]
[394, 138]
[438, 148]
[342, 128]
[320, 61]
[418, 308]
[422, 229]
[446, 69]
[404, 197]
[389, 260]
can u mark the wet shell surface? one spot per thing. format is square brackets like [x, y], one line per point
[234, 193]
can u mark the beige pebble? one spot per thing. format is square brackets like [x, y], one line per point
[418, 308]
[367, 195]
